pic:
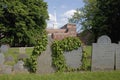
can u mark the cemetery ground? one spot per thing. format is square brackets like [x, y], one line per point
[80, 75]
[111, 75]
[14, 52]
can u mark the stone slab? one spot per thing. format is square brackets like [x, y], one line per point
[73, 58]
[4, 48]
[2, 58]
[44, 61]
[118, 57]
[103, 57]
[22, 50]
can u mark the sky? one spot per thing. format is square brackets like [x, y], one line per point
[64, 9]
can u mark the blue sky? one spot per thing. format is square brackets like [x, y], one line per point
[64, 10]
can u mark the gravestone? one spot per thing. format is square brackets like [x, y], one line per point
[6, 69]
[118, 57]
[73, 58]
[19, 67]
[4, 48]
[44, 61]
[9, 59]
[22, 50]
[103, 54]
[22, 56]
[2, 58]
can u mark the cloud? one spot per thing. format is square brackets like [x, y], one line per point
[64, 17]
[69, 13]
[62, 20]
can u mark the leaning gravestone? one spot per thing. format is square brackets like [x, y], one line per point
[118, 57]
[103, 54]
[73, 58]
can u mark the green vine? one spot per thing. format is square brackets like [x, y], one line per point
[40, 46]
[58, 47]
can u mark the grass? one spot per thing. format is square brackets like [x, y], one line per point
[88, 49]
[112, 75]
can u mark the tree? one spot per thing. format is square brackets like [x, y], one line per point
[22, 21]
[101, 17]
[110, 12]
[83, 18]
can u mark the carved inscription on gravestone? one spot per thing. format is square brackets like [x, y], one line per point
[73, 58]
[118, 57]
[103, 54]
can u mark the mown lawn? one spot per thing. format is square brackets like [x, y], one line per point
[112, 75]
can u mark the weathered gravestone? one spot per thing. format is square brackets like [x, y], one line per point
[22, 50]
[118, 57]
[9, 59]
[6, 69]
[73, 58]
[44, 61]
[103, 54]
[22, 56]
[2, 59]
[19, 67]
[4, 48]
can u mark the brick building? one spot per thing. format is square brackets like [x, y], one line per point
[68, 30]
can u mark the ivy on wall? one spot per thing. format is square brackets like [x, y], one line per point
[58, 47]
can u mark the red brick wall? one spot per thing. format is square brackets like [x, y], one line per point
[56, 31]
[66, 31]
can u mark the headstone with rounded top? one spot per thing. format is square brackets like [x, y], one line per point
[19, 67]
[104, 40]
[4, 48]
[103, 54]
